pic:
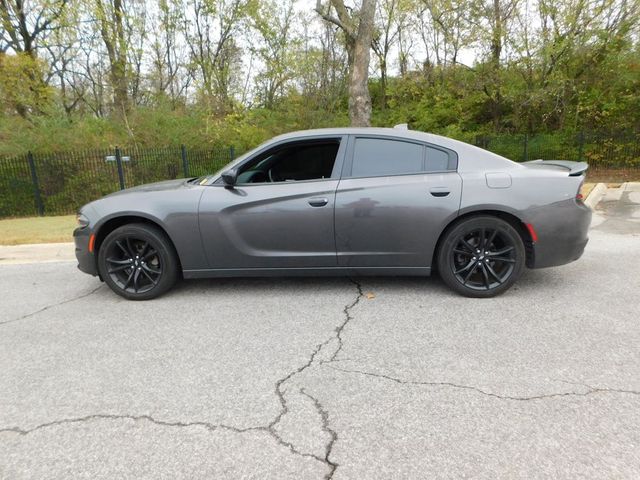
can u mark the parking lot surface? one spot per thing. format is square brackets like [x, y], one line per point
[319, 378]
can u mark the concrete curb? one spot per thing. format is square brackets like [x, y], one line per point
[37, 253]
[595, 195]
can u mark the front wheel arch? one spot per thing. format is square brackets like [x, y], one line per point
[115, 222]
[514, 221]
[138, 250]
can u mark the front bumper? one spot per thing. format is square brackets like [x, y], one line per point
[86, 259]
[562, 233]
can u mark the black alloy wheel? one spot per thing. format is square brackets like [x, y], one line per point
[481, 256]
[138, 262]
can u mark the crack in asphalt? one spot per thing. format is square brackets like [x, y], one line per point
[590, 389]
[53, 305]
[333, 435]
[209, 426]
[280, 392]
[348, 317]
[106, 416]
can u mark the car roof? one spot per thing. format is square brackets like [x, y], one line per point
[401, 133]
[470, 157]
[394, 132]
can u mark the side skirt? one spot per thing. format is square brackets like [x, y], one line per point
[309, 272]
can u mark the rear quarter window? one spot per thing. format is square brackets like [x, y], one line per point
[437, 160]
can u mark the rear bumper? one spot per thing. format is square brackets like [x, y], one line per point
[552, 256]
[562, 231]
[86, 259]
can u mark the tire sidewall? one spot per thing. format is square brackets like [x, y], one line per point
[445, 258]
[159, 241]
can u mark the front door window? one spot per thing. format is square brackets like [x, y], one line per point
[292, 162]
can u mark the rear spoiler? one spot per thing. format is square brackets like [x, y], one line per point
[575, 168]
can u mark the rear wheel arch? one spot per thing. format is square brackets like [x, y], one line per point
[110, 225]
[510, 218]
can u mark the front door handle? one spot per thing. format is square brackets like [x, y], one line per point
[440, 191]
[318, 202]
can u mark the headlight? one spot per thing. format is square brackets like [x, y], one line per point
[82, 220]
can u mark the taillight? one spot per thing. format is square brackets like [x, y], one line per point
[579, 196]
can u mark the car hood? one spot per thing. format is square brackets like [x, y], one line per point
[155, 187]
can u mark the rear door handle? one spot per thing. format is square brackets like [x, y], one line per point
[318, 202]
[440, 191]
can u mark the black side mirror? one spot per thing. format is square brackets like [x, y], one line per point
[229, 178]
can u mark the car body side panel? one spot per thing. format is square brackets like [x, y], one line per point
[307, 272]
[269, 225]
[546, 200]
[393, 220]
[173, 208]
[272, 225]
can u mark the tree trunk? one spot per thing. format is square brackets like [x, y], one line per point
[112, 31]
[496, 52]
[359, 97]
[120, 88]
[358, 29]
[383, 82]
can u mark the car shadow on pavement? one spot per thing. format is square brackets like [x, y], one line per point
[432, 285]
[254, 284]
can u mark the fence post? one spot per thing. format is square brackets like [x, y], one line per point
[185, 160]
[120, 170]
[526, 147]
[232, 152]
[36, 185]
[580, 145]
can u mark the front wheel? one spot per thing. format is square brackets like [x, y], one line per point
[481, 257]
[138, 262]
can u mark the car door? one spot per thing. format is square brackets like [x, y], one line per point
[280, 222]
[394, 199]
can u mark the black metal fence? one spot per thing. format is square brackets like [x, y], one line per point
[601, 151]
[59, 183]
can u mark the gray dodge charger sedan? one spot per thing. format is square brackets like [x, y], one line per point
[344, 201]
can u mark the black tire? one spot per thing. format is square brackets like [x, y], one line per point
[138, 261]
[481, 272]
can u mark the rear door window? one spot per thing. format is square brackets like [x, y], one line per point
[374, 157]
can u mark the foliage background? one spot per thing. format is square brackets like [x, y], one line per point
[211, 73]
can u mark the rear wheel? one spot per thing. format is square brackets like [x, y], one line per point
[481, 257]
[138, 262]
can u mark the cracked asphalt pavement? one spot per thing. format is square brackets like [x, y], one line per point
[328, 378]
